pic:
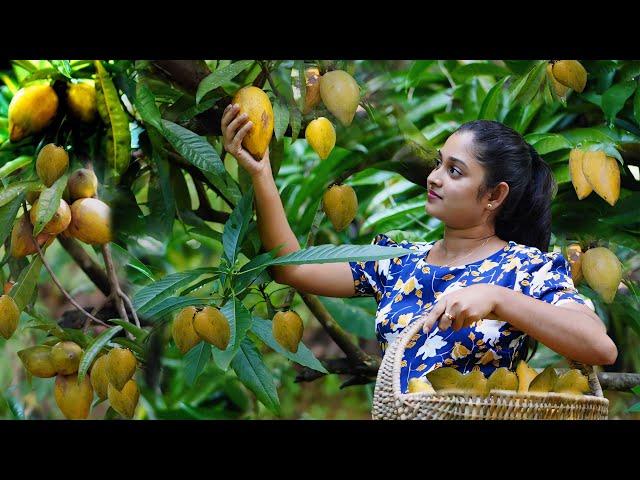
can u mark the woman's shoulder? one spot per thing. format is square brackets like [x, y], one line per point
[532, 258]
[402, 240]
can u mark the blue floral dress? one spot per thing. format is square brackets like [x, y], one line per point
[407, 287]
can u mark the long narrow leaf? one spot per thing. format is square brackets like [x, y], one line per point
[220, 77]
[94, 349]
[48, 204]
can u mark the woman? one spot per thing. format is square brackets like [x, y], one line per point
[484, 287]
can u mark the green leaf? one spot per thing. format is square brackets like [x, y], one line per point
[63, 66]
[199, 152]
[94, 349]
[529, 86]
[295, 118]
[352, 318]
[281, 117]
[253, 373]
[636, 389]
[389, 213]
[132, 261]
[341, 253]
[115, 118]
[170, 305]
[15, 407]
[153, 294]
[136, 331]
[614, 99]
[48, 203]
[220, 77]
[195, 360]
[304, 356]
[146, 105]
[236, 227]
[239, 322]
[491, 104]
[10, 167]
[298, 84]
[471, 70]
[551, 143]
[636, 106]
[15, 189]
[8, 214]
[634, 408]
[23, 290]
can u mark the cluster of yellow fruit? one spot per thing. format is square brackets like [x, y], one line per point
[340, 93]
[566, 74]
[192, 325]
[600, 268]
[88, 219]
[33, 108]
[525, 379]
[595, 171]
[110, 377]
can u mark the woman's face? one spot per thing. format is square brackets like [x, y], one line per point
[456, 179]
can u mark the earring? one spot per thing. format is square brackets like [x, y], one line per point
[489, 205]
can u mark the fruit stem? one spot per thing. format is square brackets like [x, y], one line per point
[265, 69]
[55, 279]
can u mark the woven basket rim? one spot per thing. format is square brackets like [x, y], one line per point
[510, 394]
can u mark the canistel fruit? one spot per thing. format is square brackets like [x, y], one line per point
[31, 110]
[256, 104]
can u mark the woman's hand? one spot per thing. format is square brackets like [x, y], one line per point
[461, 308]
[234, 129]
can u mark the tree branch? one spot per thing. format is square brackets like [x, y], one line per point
[93, 270]
[205, 211]
[115, 286]
[352, 351]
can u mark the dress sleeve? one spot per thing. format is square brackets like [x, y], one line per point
[548, 278]
[369, 277]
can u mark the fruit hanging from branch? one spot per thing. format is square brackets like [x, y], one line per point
[570, 73]
[73, 399]
[52, 163]
[37, 361]
[58, 223]
[182, 331]
[121, 366]
[603, 174]
[321, 135]
[65, 357]
[81, 100]
[124, 401]
[22, 243]
[287, 329]
[212, 326]
[340, 94]
[602, 271]
[340, 204]
[312, 89]
[90, 221]
[82, 183]
[580, 183]
[31, 110]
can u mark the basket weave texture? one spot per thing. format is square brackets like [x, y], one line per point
[389, 403]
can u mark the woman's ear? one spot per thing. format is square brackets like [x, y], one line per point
[498, 195]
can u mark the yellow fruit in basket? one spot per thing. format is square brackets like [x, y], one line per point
[573, 382]
[570, 73]
[545, 381]
[340, 94]
[444, 378]
[340, 204]
[580, 183]
[602, 271]
[525, 375]
[417, 385]
[502, 379]
[321, 135]
[474, 382]
[256, 104]
[603, 174]
[31, 110]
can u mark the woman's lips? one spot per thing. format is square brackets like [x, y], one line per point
[433, 195]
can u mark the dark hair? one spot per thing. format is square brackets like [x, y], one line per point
[525, 215]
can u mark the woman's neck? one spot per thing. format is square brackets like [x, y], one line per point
[458, 242]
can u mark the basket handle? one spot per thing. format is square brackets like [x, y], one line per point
[391, 364]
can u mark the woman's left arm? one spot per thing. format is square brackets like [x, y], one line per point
[571, 329]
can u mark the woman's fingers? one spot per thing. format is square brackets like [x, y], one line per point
[233, 127]
[237, 139]
[228, 115]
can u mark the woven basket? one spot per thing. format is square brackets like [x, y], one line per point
[389, 403]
